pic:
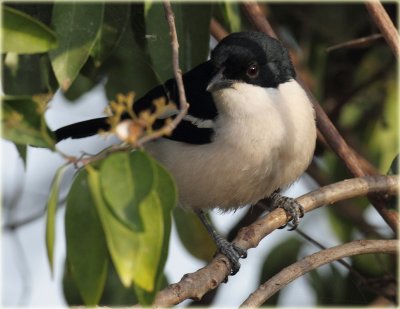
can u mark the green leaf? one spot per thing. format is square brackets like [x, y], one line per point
[281, 255]
[166, 191]
[22, 151]
[394, 167]
[393, 201]
[70, 289]
[342, 228]
[192, 25]
[23, 122]
[86, 247]
[116, 18]
[27, 75]
[115, 294]
[122, 242]
[126, 181]
[330, 286]
[138, 254]
[232, 15]
[130, 66]
[151, 243]
[383, 141]
[79, 86]
[167, 194]
[77, 25]
[193, 235]
[23, 34]
[373, 265]
[52, 203]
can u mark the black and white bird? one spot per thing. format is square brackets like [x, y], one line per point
[250, 129]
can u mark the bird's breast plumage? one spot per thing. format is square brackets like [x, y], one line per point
[264, 140]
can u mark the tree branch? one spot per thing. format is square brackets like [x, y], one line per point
[356, 43]
[169, 15]
[196, 284]
[216, 30]
[328, 130]
[316, 260]
[385, 25]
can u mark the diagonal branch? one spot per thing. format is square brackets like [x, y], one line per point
[385, 25]
[356, 43]
[216, 30]
[294, 271]
[195, 285]
[330, 133]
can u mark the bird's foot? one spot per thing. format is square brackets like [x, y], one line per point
[232, 252]
[292, 208]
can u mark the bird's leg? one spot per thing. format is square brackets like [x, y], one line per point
[290, 205]
[230, 250]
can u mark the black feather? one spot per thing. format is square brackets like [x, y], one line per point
[201, 106]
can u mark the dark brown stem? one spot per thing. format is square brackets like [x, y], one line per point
[169, 15]
[385, 25]
[356, 43]
[217, 31]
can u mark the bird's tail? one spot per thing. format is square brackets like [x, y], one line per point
[82, 129]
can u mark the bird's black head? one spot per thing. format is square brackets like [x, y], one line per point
[250, 57]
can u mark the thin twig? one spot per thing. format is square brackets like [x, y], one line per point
[356, 43]
[327, 128]
[183, 104]
[385, 25]
[196, 284]
[169, 15]
[314, 261]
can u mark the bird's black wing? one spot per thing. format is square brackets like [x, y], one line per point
[201, 107]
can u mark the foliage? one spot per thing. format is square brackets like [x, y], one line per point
[119, 209]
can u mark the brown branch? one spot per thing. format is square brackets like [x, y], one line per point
[314, 261]
[216, 30]
[356, 43]
[350, 158]
[385, 25]
[257, 18]
[195, 285]
[169, 15]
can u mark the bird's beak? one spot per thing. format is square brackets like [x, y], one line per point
[218, 82]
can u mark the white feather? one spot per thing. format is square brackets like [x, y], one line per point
[198, 122]
[264, 140]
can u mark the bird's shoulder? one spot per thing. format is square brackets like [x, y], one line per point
[196, 128]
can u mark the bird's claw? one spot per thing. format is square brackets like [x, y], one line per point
[232, 252]
[292, 208]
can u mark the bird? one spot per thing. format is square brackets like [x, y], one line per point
[249, 132]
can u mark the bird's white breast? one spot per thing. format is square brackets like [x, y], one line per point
[264, 140]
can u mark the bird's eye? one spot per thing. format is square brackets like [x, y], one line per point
[252, 71]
